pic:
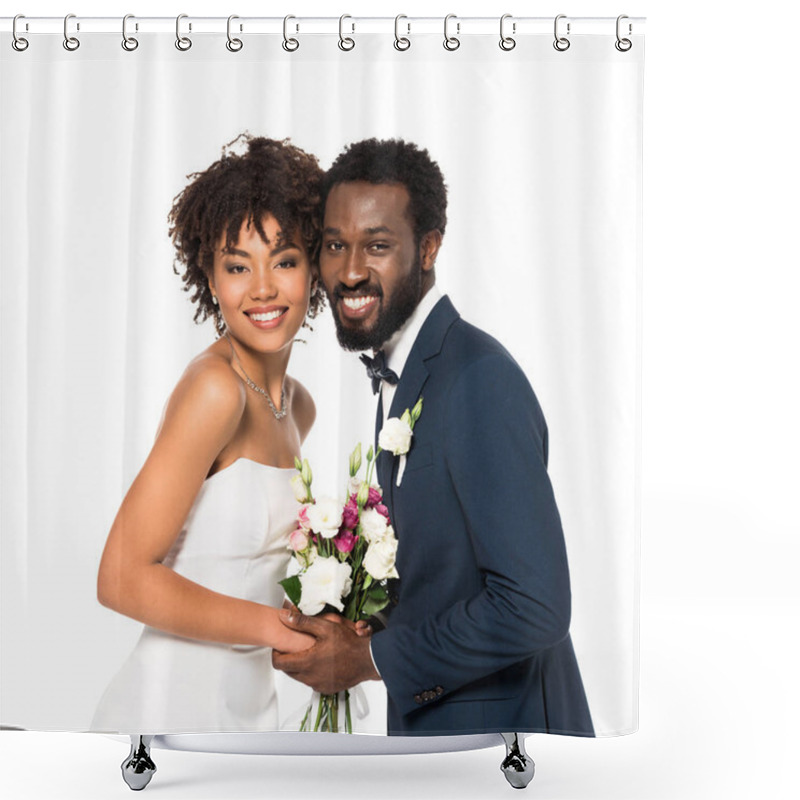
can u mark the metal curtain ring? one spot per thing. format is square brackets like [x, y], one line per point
[289, 44]
[128, 42]
[506, 42]
[401, 42]
[561, 43]
[70, 42]
[234, 45]
[451, 42]
[18, 42]
[345, 42]
[181, 42]
[623, 45]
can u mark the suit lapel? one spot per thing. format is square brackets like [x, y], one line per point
[427, 345]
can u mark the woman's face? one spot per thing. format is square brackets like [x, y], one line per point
[263, 287]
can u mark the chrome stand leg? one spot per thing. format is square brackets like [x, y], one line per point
[517, 766]
[138, 768]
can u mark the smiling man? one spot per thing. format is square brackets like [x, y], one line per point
[478, 639]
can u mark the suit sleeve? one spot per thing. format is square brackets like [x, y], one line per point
[495, 443]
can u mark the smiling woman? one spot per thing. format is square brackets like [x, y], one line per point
[261, 287]
[187, 555]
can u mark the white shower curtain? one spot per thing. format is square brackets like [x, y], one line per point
[541, 153]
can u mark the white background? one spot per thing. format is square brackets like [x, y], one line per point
[720, 437]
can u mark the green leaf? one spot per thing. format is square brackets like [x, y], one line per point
[373, 606]
[293, 588]
[377, 598]
[350, 609]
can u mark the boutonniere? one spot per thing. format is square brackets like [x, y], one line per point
[396, 436]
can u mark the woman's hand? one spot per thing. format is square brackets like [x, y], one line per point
[362, 629]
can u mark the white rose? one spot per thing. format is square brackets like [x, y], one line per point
[353, 485]
[395, 436]
[373, 524]
[326, 581]
[380, 558]
[325, 517]
[299, 488]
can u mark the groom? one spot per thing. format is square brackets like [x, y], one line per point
[478, 639]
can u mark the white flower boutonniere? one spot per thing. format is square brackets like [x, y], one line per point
[396, 436]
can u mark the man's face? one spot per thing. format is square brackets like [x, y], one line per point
[372, 271]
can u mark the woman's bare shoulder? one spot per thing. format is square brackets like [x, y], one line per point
[209, 389]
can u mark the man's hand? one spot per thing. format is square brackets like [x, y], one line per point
[338, 659]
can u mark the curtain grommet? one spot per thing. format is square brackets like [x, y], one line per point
[19, 43]
[183, 43]
[451, 43]
[233, 44]
[129, 43]
[401, 43]
[561, 43]
[289, 44]
[71, 43]
[623, 44]
[507, 43]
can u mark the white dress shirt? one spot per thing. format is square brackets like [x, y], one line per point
[397, 351]
[398, 348]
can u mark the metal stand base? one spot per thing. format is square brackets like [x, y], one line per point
[138, 768]
[517, 766]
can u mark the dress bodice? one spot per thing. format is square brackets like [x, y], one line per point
[236, 534]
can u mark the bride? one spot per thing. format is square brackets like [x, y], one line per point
[200, 540]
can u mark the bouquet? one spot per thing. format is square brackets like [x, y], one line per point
[345, 554]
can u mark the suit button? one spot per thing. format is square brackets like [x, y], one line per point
[429, 695]
[418, 699]
[439, 691]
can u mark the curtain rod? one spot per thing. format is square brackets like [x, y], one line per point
[326, 25]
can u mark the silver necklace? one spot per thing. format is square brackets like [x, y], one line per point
[279, 414]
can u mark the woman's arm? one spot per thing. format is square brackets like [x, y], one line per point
[202, 416]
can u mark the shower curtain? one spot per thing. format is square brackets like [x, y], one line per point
[538, 137]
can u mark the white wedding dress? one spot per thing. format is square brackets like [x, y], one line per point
[234, 542]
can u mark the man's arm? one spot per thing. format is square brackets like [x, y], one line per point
[495, 446]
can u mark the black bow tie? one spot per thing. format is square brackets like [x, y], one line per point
[378, 371]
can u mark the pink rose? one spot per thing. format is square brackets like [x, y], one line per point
[381, 509]
[350, 515]
[375, 497]
[345, 540]
[298, 540]
[302, 518]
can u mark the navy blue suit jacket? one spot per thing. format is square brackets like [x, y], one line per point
[478, 640]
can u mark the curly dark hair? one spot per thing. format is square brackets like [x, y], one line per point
[396, 161]
[271, 177]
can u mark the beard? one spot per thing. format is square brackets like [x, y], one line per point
[391, 317]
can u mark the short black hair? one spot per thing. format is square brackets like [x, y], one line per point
[270, 177]
[395, 161]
